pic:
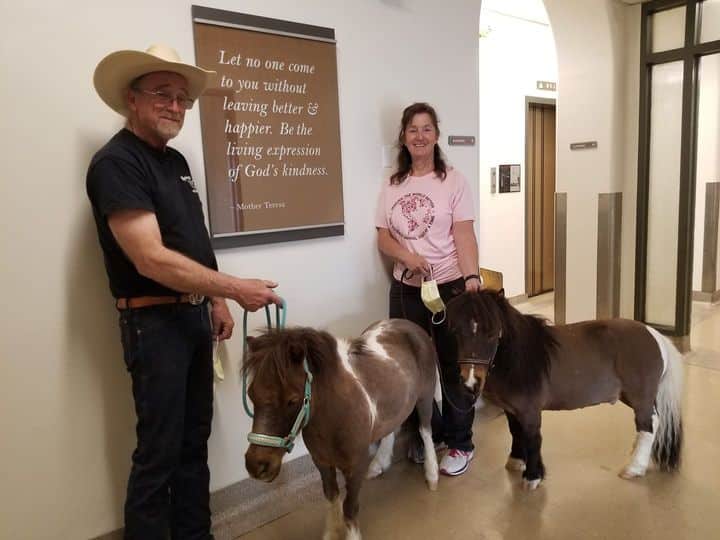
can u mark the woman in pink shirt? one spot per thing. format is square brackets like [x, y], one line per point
[424, 221]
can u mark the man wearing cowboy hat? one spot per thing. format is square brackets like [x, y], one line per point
[162, 271]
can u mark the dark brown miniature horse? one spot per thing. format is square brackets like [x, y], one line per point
[525, 366]
[361, 392]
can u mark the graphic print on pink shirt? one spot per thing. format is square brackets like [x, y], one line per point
[412, 215]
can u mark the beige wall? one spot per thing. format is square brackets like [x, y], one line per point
[708, 157]
[67, 422]
[596, 97]
[631, 102]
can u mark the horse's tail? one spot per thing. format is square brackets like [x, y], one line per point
[669, 434]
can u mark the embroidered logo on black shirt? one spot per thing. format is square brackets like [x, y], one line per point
[189, 181]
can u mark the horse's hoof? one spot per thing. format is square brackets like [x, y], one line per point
[432, 484]
[374, 471]
[631, 472]
[531, 485]
[515, 464]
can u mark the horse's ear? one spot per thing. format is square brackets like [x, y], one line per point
[316, 347]
[501, 292]
[250, 340]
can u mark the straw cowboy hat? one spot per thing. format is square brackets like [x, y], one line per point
[117, 70]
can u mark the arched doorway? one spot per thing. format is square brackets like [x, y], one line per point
[517, 88]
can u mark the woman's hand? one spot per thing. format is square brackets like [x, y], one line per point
[473, 285]
[416, 264]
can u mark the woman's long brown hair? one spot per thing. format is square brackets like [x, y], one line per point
[404, 160]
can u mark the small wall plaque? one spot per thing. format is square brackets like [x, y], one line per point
[546, 85]
[461, 140]
[583, 145]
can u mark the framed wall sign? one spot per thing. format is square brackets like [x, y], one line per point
[270, 128]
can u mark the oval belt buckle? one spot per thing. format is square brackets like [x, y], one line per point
[196, 299]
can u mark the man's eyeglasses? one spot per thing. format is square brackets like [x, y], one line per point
[164, 99]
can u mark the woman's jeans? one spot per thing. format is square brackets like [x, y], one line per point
[454, 426]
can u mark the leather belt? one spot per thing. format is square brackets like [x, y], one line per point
[147, 301]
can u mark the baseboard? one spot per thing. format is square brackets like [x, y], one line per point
[702, 296]
[249, 504]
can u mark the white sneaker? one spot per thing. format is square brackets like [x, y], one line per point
[456, 462]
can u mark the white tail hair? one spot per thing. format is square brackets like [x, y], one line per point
[668, 439]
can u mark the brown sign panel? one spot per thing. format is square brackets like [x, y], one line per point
[270, 129]
[583, 145]
[461, 140]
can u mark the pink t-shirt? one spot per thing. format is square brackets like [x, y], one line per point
[420, 212]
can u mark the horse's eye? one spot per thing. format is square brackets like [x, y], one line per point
[292, 403]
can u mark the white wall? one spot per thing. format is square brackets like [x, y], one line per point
[515, 53]
[67, 418]
[593, 104]
[597, 69]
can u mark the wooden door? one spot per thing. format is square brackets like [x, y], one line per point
[540, 215]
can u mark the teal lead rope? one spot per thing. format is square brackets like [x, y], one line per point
[280, 317]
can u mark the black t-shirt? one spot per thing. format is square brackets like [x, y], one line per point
[129, 174]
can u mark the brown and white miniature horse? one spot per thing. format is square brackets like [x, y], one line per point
[362, 391]
[526, 366]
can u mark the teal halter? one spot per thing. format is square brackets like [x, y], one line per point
[303, 417]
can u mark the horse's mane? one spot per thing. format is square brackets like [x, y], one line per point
[282, 350]
[523, 354]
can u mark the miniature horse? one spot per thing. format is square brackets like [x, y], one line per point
[525, 366]
[361, 392]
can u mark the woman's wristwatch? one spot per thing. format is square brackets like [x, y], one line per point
[473, 276]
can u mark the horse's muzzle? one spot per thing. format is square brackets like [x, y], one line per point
[474, 376]
[263, 463]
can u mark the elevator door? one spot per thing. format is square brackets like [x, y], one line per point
[540, 217]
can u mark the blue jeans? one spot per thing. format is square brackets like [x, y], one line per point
[454, 426]
[168, 352]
